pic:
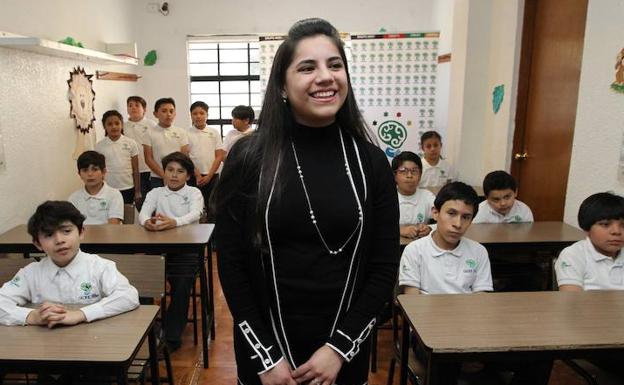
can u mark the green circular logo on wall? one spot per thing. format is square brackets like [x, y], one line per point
[392, 133]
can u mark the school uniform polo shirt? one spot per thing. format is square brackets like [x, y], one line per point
[437, 175]
[415, 208]
[519, 212]
[99, 208]
[184, 205]
[118, 156]
[203, 144]
[582, 265]
[465, 269]
[138, 131]
[164, 141]
[87, 280]
[232, 137]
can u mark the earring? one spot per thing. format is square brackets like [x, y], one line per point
[284, 98]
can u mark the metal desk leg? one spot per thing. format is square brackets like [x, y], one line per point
[405, 341]
[211, 292]
[204, 303]
[151, 340]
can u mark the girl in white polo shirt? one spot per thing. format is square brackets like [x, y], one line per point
[122, 159]
[436, 171]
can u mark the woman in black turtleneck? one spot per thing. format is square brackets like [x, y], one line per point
[307, 224]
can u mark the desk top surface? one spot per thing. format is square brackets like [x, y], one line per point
[123, 235]
[509, 233]
[524, 321]
[110, 340]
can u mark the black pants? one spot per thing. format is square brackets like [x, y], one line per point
[146, 186]
[181, 273]
[128, 195]
[206, 191]
[156, 182]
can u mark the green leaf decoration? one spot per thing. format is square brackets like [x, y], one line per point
[71, 41]
[150, 58]
[618, 87]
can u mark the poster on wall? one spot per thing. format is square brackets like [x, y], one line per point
[394, 79]
[268, 48]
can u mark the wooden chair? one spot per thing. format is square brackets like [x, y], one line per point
[147, 274]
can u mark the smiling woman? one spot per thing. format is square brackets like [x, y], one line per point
[307, 223]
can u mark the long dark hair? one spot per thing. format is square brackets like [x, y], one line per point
[262, 152]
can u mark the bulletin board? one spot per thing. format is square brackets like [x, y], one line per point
[394, 79]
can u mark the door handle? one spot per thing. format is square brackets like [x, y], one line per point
[520, 156]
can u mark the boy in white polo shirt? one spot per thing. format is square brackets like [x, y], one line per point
[175, 204]
[242, 119]
[415, 203]
[501, 205]
[205, 151]
[137, 127]
[65, 276]
[97, 201]
[163, 139]
[597, 262]
[444, 262]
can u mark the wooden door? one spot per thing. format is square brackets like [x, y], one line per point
[550, 68]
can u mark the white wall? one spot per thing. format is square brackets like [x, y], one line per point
[167, 34]
[598, 134]
[38, 135]
[485, 53]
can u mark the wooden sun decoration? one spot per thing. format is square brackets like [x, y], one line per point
[81, 97]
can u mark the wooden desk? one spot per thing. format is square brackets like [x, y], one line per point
[127, 239]
[105, 347]
[513, 326]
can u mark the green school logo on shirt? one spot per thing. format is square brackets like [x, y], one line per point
[86, 287]
[442, 172]
[471, 263]
[420, 218]
[516, 218]
[565, 265]
[103, 204]
[16, 281]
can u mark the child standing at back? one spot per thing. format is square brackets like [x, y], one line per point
[415, 203]
[97, 201]
[205, 150]
[242, 118]
[163, 139]
[121, 154]
[136, 128]
[175, 204]
[436, 170]
[501, 205]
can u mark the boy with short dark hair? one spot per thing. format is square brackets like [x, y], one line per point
[175, 204]
[137, 127]
[242, 118]
[415, 203]
[205, 150]
[597, 262]
[66, 276]
[97, 201]
[501, 205]
[444, 262]
[163, 139]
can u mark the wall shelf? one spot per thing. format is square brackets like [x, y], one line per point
[53, 48]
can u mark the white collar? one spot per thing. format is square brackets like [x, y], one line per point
[437, 251]
[72, 269]
[99, 195]
[599, 257]
[181, 191]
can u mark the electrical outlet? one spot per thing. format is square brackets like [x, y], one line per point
[152, 7]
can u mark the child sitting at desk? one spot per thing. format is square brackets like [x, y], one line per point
[97, 201]
[436, 170]
[597, 262]
[501, 205]
[65, 276]
[414, 204]
[175, 204]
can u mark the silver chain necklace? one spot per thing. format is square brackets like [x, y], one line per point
[311, 211]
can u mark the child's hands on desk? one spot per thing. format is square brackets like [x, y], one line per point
[415, 231]
[160, 222]
[52, 314]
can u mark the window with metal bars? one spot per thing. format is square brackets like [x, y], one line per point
[224, 75]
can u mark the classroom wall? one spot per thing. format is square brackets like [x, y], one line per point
[168, 34]
[485, 53]
[598, 133]
[37, 134]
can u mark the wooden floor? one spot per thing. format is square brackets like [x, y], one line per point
[222, 371]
